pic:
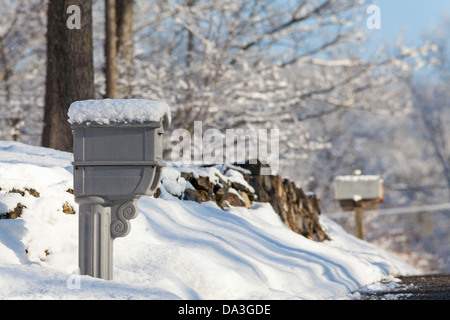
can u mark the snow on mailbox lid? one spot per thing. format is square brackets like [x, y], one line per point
[113, 111]
[358, 187]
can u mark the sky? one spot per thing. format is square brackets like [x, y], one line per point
[408, 17]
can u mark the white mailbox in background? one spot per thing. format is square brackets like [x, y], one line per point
[357, 193]
[358, 188]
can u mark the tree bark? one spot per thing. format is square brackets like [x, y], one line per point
[190, 40]
[70, 70]
[125, 46]
[6, 73]
[111, 49]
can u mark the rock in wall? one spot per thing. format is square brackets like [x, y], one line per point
[298, 210]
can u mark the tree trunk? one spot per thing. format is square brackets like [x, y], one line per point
[70, 70]
[125, 45]
[111, 49]
[190, 43]
[6, 73]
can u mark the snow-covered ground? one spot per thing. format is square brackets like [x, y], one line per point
[175, 250]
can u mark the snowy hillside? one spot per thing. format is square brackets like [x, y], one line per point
[175, 250]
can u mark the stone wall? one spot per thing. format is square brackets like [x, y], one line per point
[236, 185]
[298, 210]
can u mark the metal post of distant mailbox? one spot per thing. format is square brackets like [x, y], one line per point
[114, 164]
[358, 193]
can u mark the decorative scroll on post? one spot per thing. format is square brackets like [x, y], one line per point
[117, 159]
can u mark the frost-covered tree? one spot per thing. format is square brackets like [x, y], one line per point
[295, 65]
[264, 64]
[22, 69]
[431, 105]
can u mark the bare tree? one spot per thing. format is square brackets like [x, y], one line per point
[125, 46]
[110, 49]
[191, 38]
[70, 72]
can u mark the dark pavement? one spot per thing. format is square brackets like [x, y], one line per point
[422, 287]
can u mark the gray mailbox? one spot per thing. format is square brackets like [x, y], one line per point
[117, 158]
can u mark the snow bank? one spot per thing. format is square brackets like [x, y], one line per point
[109, 111]
[175, 250]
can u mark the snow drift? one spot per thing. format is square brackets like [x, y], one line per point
[175, 250]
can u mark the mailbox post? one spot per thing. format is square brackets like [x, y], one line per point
[117, 159]
[358, 193]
